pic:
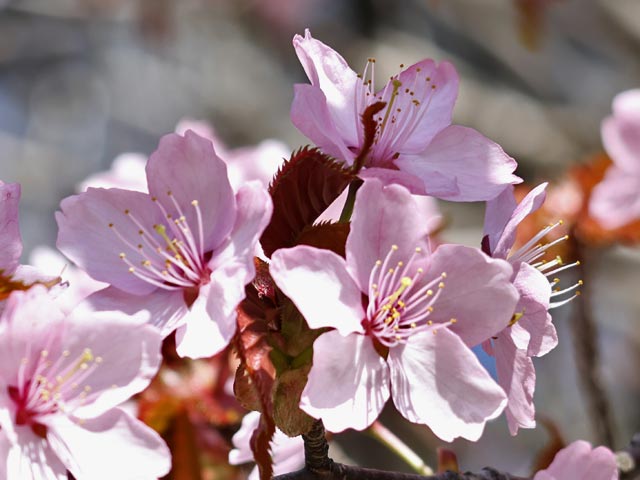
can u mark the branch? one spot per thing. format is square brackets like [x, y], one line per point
[318, 465]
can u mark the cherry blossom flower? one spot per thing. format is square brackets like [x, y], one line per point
[61, 381]
[287, 452]
[415, 143]
[616, 200]
[183, 251]
[405, 320]
[578, 461]
[531, 331]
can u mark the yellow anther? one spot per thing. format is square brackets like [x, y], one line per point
[44, 353]
[378, 262]
[429, 322]
[580, 282]
[401, 304]
[429, 292]
[394, 247]
[441, 285]
[413, 325]
[66, 353]
[405, 282]
[194, 203]
[443, 274]
[454, 320]
[418, 250]
[578, 293]
[578, 262]
[400, 264]
[516, 317]
[556, 280]
[122, 255]
[429, 309]
[566, 237]
[560, 222]
[420, 270]
[131, 269]
[559, 260]
[146, 263]
[391, 270]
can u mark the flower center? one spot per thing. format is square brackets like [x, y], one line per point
[407, 104]
[52, 386]
[173, 256]
[401, 299]
[532, 253]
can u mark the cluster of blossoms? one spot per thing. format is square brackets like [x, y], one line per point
[395, 312]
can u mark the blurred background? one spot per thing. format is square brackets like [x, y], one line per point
[82, 81]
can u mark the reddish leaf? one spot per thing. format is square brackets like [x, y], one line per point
[256, 317]
[370, 126]
[302, 189]
[330, 236]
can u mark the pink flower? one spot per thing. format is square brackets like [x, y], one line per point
[530, 332]
[405, 320]
[183, 251]
[287, 452]
[61, 380]
[415, 143]
[616, 200]
[579, 462]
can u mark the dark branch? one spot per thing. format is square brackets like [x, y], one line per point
[318, 465]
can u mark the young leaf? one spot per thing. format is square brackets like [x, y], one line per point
[302, 189]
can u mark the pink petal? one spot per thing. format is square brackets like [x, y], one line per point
[85, 235]
[166, 309]
[578, 462]
[328, 71]
[462, 165]
[503, 217]
[10, 241]
[130, 353]
[254, 208]
[189, 168]
[31, 321]
[517, 377]
[318, 283]
[348, 384]
[616, 200]
[390, 177]
[478, 292]
[621, 132]
[113, 445]
[384, 216]
[437, 103]
[534, 331]
[256, 163]
[310, 114]
[127, 172]
[211, 321]
[31, 458]
[436, 380]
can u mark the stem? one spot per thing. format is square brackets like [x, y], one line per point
[585, 334]
[389, 439]
[347, 210]
[316, 449]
